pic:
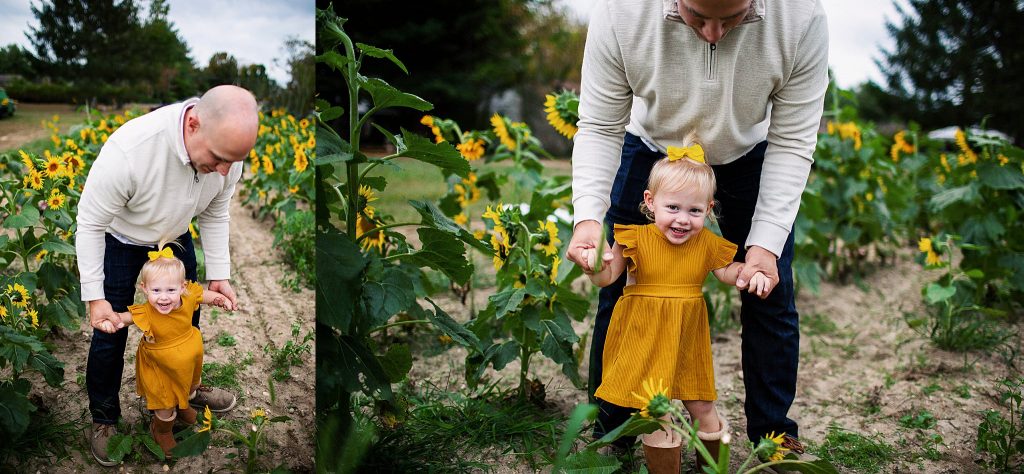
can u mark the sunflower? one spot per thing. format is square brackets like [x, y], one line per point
[367, 224]
[494, 215]
[258, 413]
[73, 164]
[53, 167]
[19, 295]
[3, 312]
[779, 452]
[925, 246]
[42, 253]
[498, 123]
[500, 243]
[268, 165]
[554, 269]
[968, 155]
[301, 161]
[549, 243]
[657, 401]
[30, 164]
[461, 219]
[207, 420]
[56, 200]
[556, 119]
[33, 316]
[471, 149]
[34, 180]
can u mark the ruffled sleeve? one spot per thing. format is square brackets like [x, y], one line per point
[194, 297]
[627, 236]
[720, 251]
[140, 317]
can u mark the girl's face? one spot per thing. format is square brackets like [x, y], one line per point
[678, 214]
[164, 292]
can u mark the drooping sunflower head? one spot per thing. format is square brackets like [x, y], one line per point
[656, 400]
[18, 294]
[549, 237]
[770, 447]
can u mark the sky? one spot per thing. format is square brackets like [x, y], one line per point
[253, 32]
[856, 31]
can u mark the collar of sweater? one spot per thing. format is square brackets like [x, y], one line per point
[671, 11]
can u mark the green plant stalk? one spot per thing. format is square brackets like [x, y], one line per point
[380, 228]
[524, 367]
[353, 118]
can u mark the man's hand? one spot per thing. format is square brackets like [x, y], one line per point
[586, 235]
[759, 260]
[103, 317]
[224, 287]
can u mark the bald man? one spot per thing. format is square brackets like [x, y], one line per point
[152, 176]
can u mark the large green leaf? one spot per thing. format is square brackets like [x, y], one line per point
[334, 60]
[56, 280]
[936, 293]
[48, 365]
[65, 311]
[433, 217]
[14, 412]
[818, 466]
[442, 251]
[330, 147]
[397, 362]
[360, 369]
[590, 462]
[443, 155]
[575, 305]
[507, 301]
[636, 425]
[119, 446]
[1000, 177]
[154, 448]
[29, 217]
[384, 95]
[459, 333]
[966, 194]
[193, 445]
[376, 52]
[339, 264]
[386, 292]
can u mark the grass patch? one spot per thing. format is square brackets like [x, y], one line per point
[444, 431]
[49, 437]
[855, 451]
[922, 420]
[221, 375]
[225, 340]
[816, 324]
[410, 179]
[292, 354]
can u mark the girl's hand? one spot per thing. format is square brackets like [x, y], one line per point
[107, 326]
[760, 285]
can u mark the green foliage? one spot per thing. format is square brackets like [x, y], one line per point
[292, 354]
[225, 340]
[297, 239]
[224, 375]
[1001, 438]
[856, 451]
[921, 420]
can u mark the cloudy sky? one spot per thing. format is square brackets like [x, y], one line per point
[856, 28]
[253, 32]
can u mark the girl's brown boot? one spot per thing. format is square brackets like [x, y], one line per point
[187, 416]
[711, 441]
[662, 449]
[163, 434]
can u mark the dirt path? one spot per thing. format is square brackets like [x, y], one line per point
[861, 369]
[267, 313]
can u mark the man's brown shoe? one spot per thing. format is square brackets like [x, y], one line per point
[99, 437]
[219, 400]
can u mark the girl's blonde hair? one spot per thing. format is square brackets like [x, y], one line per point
[680, 174]
[172, 266]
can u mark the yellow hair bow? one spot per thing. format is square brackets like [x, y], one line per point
[694, 152]
[165, 253]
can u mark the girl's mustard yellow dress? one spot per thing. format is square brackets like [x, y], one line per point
[659, 328]
[170, 357]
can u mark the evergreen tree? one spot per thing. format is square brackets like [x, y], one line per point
[957, 61]
[84, 39]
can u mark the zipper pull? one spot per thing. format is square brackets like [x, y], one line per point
[195, 174]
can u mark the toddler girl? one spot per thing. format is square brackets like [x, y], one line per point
[659, 327]
[169, 362]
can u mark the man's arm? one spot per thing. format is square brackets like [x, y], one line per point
[792, 136]
[214, 233]
[605, 100]
[107, 190]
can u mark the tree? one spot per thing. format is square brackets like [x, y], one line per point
[15, 59]
[957, 61]
[84, 38]
[222, 69]
[300, 60]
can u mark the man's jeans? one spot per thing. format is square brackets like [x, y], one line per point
[771, 335]
[121, 266]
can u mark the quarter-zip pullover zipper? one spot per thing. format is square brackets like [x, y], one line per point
[711, 61]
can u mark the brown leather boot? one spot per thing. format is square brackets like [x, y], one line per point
[163, 434]
[711, 441]
[187, 416]
[662, 452]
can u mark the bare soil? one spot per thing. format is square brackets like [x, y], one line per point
[267, 312]
[862, 368]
